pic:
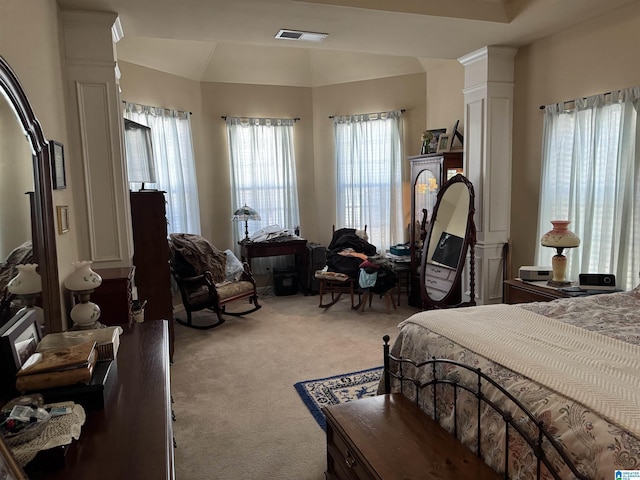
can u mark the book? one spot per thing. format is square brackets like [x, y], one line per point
[60, 378]
[59, 359]
[107, 340]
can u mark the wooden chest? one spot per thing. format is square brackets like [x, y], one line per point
[388, 437]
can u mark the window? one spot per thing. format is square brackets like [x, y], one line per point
[263, 172]
[591, 177]
[369, 181]
[174, 163]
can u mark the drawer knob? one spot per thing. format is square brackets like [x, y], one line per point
[348, 459]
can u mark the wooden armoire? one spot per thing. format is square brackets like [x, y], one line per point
[151, 257]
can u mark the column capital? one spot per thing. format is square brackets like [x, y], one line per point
[488, 64]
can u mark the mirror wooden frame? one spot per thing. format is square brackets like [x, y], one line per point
[42, 218]
[468, 246]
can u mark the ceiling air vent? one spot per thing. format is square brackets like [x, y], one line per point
[286, 34]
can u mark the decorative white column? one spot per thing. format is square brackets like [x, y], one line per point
[488, 120]
[101, 190]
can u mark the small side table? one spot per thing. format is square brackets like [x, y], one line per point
[519, 291]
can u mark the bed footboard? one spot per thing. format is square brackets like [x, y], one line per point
[451, 384]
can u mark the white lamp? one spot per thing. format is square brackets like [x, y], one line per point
[27, 285]
[559, 237]
[82, 282]
[244, 214]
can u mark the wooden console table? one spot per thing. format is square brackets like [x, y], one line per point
[274, 248]
[132, 437]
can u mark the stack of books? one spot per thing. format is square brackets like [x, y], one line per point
[107, 341]
[58, 367]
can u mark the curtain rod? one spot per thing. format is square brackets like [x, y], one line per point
[607, 94]
[224, 117]
[181, 111]
[372, 113]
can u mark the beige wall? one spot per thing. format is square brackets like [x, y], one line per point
[445, 100]
[595, 57]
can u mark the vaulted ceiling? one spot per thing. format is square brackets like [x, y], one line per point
[233, 40]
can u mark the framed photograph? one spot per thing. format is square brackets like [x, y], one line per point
[430, 140]
[63, 218]
[10, 469]
[56, 152]
[20, 339]
[444, 143]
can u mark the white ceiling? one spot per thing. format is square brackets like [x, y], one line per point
[233, 40]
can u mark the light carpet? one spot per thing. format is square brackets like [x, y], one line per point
[238, 416]
[338, 389]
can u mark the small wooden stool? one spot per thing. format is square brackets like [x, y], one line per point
[336, 284]
[368, 295]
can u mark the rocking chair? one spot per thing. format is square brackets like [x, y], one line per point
[199, 270]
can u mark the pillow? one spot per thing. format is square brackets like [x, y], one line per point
[234, 267]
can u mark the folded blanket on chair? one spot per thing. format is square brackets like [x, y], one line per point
[201, 254]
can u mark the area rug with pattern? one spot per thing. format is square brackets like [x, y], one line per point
[338, 389]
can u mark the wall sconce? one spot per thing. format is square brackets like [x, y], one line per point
[244, 214]
[559, 237]
[82, 282]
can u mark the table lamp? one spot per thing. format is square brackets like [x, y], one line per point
[27, 285]
[559, 237]
[82, 282]
[244, 214]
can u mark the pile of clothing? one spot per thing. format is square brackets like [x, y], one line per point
[350, 253]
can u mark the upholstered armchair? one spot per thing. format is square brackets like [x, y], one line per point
[209, 279]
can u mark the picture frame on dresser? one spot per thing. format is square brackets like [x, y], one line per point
[19, 339]
[10, 469]
[444, 143]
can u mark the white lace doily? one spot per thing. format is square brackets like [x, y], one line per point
[59, 431]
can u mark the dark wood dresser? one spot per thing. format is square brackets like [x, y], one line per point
[151, 257]
[114, 295]
[132, 437]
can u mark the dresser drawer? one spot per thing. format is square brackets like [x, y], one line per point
[439, 272]
[435, 283]
[343, 459]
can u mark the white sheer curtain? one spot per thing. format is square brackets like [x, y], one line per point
[591, 176]
[175, 163]
[263, 171]
[369, 184]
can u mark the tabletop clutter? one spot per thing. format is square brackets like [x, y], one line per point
[62, 365]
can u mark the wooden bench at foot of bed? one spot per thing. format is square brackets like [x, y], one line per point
[388, 437]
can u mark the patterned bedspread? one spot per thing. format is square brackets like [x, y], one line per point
[596, 445]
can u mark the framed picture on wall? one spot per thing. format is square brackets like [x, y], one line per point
[63, 218]
[58, 173]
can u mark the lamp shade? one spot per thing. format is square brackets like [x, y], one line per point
[245, 213]
[82, 278]
[560, 236]
[27, 281]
